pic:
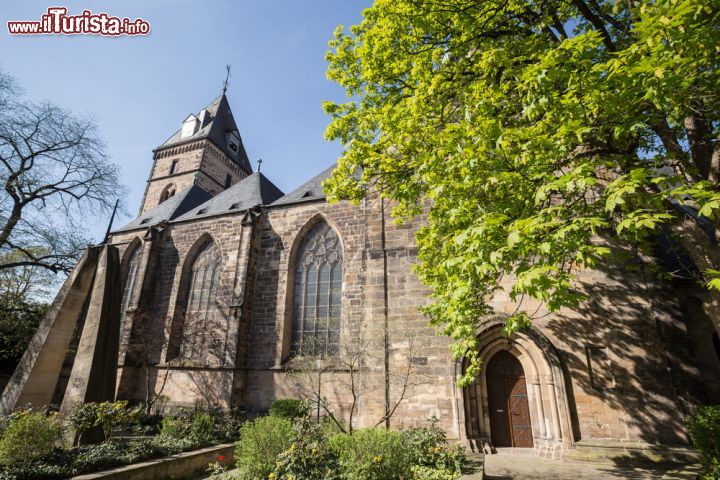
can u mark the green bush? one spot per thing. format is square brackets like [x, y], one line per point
[308, 457]
[230, 423]
[29, 436]
[372, 454]
[428, 448]
[705, 434]
[420, 472]
[172, 444]
[261, 441]
[202, 427]
[289, 408]
[105, 415]
[174, 427]
[115, 414]
[60, 464]
[83, 417]
[198, 428]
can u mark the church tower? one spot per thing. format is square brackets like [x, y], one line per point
[206, 151]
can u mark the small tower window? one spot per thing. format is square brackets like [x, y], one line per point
[168, 192]
[228, 180]
[233, 141]
[173, 166]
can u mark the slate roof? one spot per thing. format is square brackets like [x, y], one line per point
[249, 192]
[171, 208]
[217, 123]
[308, 191]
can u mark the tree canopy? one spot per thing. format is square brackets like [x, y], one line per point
[55, 178]
[531, 128]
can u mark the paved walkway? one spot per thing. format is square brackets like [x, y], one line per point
[526, 467]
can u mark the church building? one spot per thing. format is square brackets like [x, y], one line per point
[227, 282]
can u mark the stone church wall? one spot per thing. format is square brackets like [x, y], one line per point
[624, 363]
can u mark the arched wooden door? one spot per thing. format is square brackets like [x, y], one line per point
[508, 402]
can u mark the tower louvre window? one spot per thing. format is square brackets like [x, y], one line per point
[168, 192]
[228, 180]
[173, 166]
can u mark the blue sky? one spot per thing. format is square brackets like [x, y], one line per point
[139, 89]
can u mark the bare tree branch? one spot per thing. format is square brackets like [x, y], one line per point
[54, 177]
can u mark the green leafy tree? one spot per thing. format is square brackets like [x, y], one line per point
[531, 129]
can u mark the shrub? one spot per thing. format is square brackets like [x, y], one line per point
[198, 428]
[428, 448]
[372, 454]
[83, 417]
[172, 445]
[202, 427]
[29, 436]
[61, 464]
[105, 415]
[231, 422]
[420, 472]
[114, 414]
[175, 427]
[100, 456]
[705, 434]
[261, 441]
[147, 424]
[289, 408]
[308, 457]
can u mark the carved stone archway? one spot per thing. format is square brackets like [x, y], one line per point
[547, 396]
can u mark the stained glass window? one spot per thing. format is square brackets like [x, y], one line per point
[201, 313]
[317, 300]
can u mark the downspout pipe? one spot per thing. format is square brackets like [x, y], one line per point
[386, 326]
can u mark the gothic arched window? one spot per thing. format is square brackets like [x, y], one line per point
[317, 300]
[131, 277]
[201, 315]
[132, 270]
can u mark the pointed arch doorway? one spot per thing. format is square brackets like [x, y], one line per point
[509, 411]
[531, 378]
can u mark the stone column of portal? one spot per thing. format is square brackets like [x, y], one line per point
[36, 375]
[539, 407]
[95, 367]
[554, 411]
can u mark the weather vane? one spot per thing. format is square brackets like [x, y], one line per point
[259, 162]
[227, 78]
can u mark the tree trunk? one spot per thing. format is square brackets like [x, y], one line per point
[705, 254]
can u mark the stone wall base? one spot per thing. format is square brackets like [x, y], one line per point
[631, 453]
[177, 467]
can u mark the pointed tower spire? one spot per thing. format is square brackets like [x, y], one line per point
[206, 151]
[227, 78]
